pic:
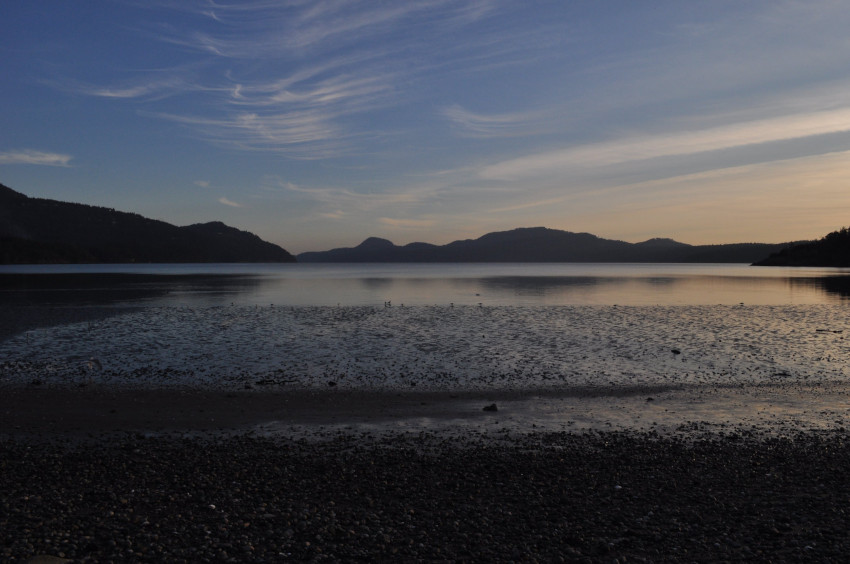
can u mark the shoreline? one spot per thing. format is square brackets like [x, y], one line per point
[769, 409]
[18, 319]
[712, 471]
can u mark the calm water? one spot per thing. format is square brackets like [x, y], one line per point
[418, 284]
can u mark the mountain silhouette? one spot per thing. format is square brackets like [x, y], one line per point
[832, 250]
[37, 230]
[540, 244]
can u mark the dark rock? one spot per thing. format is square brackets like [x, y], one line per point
[491, 407]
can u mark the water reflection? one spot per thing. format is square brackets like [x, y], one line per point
[427, 284]
[644, 290]
[833, 285]
[546, 285]
[375, 283]
[117, 288]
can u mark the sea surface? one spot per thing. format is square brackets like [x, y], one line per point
[203, 285]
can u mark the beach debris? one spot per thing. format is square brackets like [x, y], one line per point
[675, 351]
[491, 407]
[94, 364]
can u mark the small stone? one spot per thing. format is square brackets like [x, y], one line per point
[491, 407]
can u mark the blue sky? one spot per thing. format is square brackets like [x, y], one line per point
[316, 124]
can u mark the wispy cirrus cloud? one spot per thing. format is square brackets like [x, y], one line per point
[152, 85]
[340, 92]
[305, 79]
[129, 92]
[229, 203]
[328, 22]
[337, 203]
[308, 134]
[407, 223]
[267, 29]
[30, 157]
[675, 144]
[470, 124]
[526, 205]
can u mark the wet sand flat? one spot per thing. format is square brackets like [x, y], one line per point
[550, 368]
[770, 409]
[436, 348]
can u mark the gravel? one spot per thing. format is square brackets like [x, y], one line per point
[611, 497]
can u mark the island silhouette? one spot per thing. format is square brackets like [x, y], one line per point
[44, 231]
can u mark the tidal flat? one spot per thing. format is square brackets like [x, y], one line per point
[247, 433]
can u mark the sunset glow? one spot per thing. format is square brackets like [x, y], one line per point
[318, 124]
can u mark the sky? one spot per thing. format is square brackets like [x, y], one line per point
[317, 124]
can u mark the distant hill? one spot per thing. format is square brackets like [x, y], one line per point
[540, 244]
[40, 231]
[832, 250]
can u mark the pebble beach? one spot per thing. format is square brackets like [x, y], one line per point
[266, 434]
